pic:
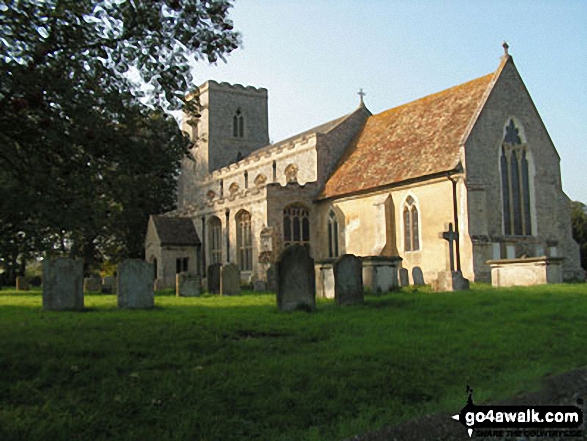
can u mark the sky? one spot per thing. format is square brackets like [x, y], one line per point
[313, 56]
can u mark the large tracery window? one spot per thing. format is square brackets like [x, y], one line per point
[215, 240]
[515, 183]
[244, 241]
[296, 225]
[332, 235]
[411, 229]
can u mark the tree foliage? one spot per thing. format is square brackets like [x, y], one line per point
[579, 221]
[83, 160]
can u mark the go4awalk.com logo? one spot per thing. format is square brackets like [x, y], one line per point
[537, 421]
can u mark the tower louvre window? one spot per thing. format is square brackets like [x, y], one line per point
[238, 125]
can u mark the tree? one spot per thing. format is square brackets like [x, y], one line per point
[579, 221]
[83, 160]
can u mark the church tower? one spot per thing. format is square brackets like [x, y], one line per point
[233, 123]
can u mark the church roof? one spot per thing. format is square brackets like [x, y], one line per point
[417, 139]
[176, 230]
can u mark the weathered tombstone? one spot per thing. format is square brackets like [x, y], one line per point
[187, 285]
[63, 284]
[417, 276]
[272, 279]
[348, 280]
[22, 284]
[296, 280]
[92, 284]
[450, 281]
[214, 278]
[109, 285]
[404, 277]
[135, 284]
[230, 280]
[260, 285]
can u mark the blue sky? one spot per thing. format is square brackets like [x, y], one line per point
[313, 56]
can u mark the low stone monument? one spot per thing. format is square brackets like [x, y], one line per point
[135, 284]
[63, 284]
[22, 284]
[230, 280]
[187, 285]
[296, 280]
[380, 273]
[213, 278]
[92, 284]
[404, 277]
[526, 271]
[348, 280]
[418, 276]
[450, 281]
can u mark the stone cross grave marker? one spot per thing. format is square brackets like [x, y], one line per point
[451, 236]
[417, 276]
[63, 284]
[404, 277]
[213, 278]
[135, 284]
[187, 285]
[230, 280]
[296, 280]
[348, 280]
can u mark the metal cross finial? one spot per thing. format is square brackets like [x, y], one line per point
[505, 48]
[361, 94]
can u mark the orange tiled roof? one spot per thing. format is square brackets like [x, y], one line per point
[417, 139]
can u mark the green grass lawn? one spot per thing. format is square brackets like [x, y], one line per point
[233, 368]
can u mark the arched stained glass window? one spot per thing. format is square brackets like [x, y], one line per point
[411, 227]
[515, 183]
[244, 241]
[215, 239]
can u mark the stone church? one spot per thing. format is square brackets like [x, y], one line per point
[449, 181]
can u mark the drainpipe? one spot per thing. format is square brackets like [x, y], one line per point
[456, 221]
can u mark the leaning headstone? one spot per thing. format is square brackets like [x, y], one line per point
[404, 277]
[230, 280]
[22, 284]
[417, 276]
[135, 284]
[187, 285]
[260, 285]
[214, 278]
[92, 284]
[296, 280]
[272, 279]
[348, 280]
[63, 284]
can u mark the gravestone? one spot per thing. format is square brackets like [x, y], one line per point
[187, 285]
[450, 281]
[296, 280]
[260, 285]
[230, 280]
[63, 284]
[272, 279]
[417, 276]
[92, 284]
[22, 284]
[109, 285]
[404, 277]
[135, 284]
[348, 280]
[214, 278]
